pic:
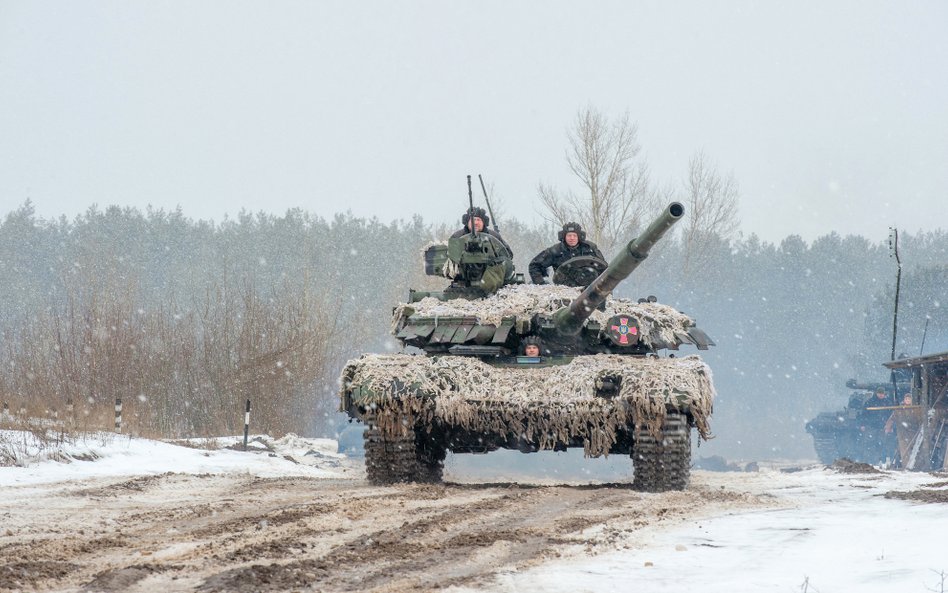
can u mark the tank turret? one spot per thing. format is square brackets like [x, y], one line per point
[897, 385]
[569, 320]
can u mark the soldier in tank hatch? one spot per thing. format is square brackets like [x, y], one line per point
[572, 243]
[532, 346]
[479, 224]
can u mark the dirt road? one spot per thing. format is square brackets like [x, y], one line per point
[232, 532]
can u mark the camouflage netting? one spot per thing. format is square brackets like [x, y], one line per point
[657, 323]
[547, 405]
[429, 245]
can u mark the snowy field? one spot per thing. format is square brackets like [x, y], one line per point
[838, 533]
[103, 455]
[811, 528]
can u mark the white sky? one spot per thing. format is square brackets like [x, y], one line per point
[831, 117]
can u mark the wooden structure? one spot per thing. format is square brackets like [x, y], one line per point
[922, 427]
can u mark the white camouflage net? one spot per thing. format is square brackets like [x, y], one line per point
[546, 405]
[657, 323]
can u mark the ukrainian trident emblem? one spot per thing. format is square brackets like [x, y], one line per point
[623, 330]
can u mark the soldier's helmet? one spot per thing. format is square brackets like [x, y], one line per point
[478, 213]
[572, 227]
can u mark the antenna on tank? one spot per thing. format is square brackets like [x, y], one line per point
[486, 199]
[470, 212]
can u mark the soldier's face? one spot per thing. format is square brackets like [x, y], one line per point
[572, 239]
[478, 224]
[532, 350]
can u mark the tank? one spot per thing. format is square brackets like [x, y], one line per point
[466, 384]
[852, 432]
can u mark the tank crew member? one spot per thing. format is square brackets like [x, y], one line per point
[481, 220]
[532, 346]
[572, 243]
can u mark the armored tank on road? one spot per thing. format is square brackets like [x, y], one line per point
[843, 433]
[597, 381]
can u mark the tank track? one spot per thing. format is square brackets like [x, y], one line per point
[826, 448]
[415, 457]
[662, 465]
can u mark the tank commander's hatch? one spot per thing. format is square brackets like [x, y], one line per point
[579, 271]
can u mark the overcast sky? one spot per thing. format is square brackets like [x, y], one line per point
[832, 116]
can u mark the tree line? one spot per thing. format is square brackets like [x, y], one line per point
[184, 320]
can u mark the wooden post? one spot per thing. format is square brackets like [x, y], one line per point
[246, 425]
[118, 415]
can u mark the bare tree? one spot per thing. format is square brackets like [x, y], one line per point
[182, 371]
[711, 201]
[604, 156]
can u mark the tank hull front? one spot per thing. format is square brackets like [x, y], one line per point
[606, 404]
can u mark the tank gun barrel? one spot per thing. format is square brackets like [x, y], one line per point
[569, 320]
[853, 384]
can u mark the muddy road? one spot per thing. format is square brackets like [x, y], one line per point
[233, 532]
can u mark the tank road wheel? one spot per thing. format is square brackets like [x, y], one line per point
[665, 464]
[414, 457]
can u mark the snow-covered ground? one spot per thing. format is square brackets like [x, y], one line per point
[825, 531]
[838, 534]
[113, 455]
